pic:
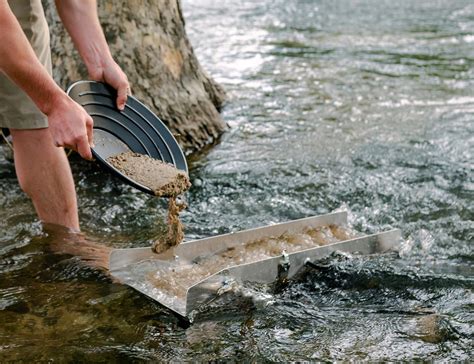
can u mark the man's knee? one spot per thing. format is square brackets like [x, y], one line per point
[31, 147]
[31, 138]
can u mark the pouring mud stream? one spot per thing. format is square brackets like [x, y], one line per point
[165, 181]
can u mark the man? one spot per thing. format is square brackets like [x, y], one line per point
[42, 119]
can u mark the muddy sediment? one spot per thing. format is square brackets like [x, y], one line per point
[165, 181]
[162, 178]
[173, 281]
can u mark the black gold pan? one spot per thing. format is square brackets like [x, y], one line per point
[135, 129]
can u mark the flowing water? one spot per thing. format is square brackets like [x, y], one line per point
[365, 105]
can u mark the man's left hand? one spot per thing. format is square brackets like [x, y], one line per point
[112, 74]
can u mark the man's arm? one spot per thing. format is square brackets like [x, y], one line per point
[81, 21]
[69, 123]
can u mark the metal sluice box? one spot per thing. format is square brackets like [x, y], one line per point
[194, 273]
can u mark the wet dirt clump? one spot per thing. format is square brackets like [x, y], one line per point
[165, 181]
[162, 178]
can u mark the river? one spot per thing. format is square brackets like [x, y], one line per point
[362, 105]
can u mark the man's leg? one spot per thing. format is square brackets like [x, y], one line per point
[45, 175]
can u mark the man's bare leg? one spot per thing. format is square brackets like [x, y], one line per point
[44, 174]
[63, 241]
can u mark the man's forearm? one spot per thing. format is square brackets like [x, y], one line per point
[81, 21]
[19, 62]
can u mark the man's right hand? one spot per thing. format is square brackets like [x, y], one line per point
[70, 126]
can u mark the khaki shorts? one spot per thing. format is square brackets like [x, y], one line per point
[17, 111]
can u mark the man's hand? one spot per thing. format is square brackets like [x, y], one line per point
[112, 74]
[70, 126]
